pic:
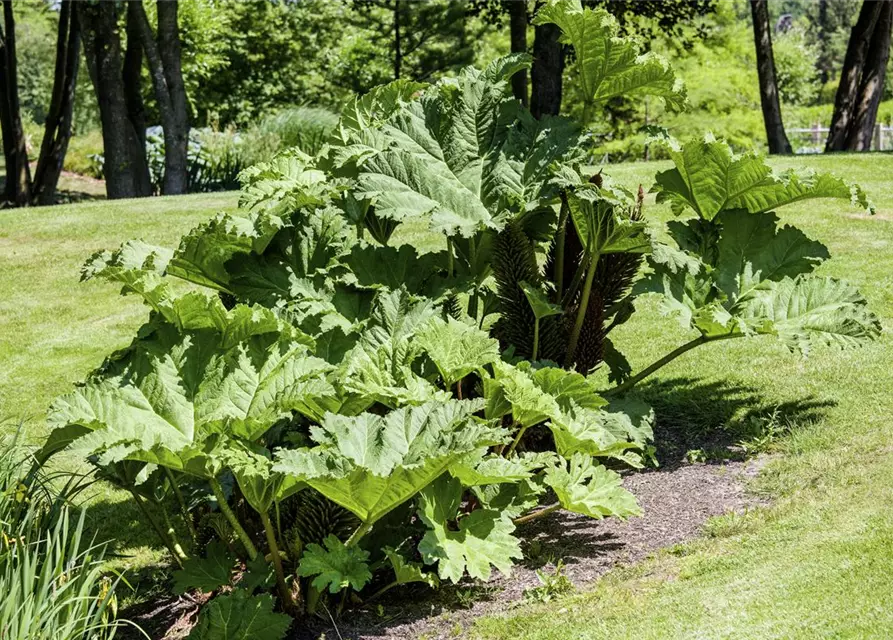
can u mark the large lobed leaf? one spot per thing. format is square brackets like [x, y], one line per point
[370, 464]
[177, 385]
[481, 539]
[461, 154]
[708, 178]
[240, 616]
[608, 65]
[589, 489]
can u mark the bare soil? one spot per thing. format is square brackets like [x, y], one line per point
[676, 503]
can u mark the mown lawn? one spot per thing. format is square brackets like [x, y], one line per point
[818, 563]
[54, 329]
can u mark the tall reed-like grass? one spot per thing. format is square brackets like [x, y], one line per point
[52, 582]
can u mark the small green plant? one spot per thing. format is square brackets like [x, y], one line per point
[760, 433]
[552, 585]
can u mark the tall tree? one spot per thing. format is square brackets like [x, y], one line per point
[57, 128]
[871, 86]
[762, 35]
[423, 39]
[17, 190]
[518, 21]
[163, 57]
[851, 76]
[549, 55]
[125, 167]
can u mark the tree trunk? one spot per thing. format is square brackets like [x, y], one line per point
[17, 190]
[850, 75]
[133, 66]
[871, 85]
[170, 94]
[125, 168]
[546, 74]
[57, 130]
[518, 35]
[176, 165]
[762, 35]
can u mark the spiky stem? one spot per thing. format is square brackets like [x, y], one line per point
[675, 353]
[233, 520]
[288, 602]
[154, 523]
[516, 441]
[559, 247]
[542, 513]
[475, 293]
[184, 510]
[172, 532]
[536, 338]
[581, 313]
[575, 282]
[361, 531]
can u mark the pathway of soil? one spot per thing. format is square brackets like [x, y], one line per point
[676, 503]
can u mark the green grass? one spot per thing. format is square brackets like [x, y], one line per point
[818, 562]
[815, 564]
[54, 329]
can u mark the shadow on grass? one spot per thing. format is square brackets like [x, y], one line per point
[716, 416]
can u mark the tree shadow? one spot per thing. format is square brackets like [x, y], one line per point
[692, 414]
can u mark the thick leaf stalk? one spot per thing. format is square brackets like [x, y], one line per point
[240, 532]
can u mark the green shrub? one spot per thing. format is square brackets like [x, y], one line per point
[336, 403]
[84, 154]
[302, 127]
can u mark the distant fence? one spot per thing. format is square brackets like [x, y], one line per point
[812, 140]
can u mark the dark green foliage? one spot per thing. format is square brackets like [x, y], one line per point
[310, 517]
[514, 261]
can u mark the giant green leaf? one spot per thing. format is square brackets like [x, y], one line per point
[753, 249]
[286, 183]
[240, 616]
[456, 348]
[172, 388]
[206, 574]
[592, 432]
[709, 178]
[589, 489]
[371, 464]
[604, 225]
[481, 539]
[390, 267]
[811, 309]
[461, 155]
[203, 252]
[608, 65]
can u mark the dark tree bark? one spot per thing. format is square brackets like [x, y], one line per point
[170, 94]
[132, 70]
[57, 130]
[871, 85]
[518, 35]
[547, 71]
[125, 168]
[762, 35]
[17, 190]
[851, 74]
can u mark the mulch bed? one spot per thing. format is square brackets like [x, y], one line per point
[676, 503]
